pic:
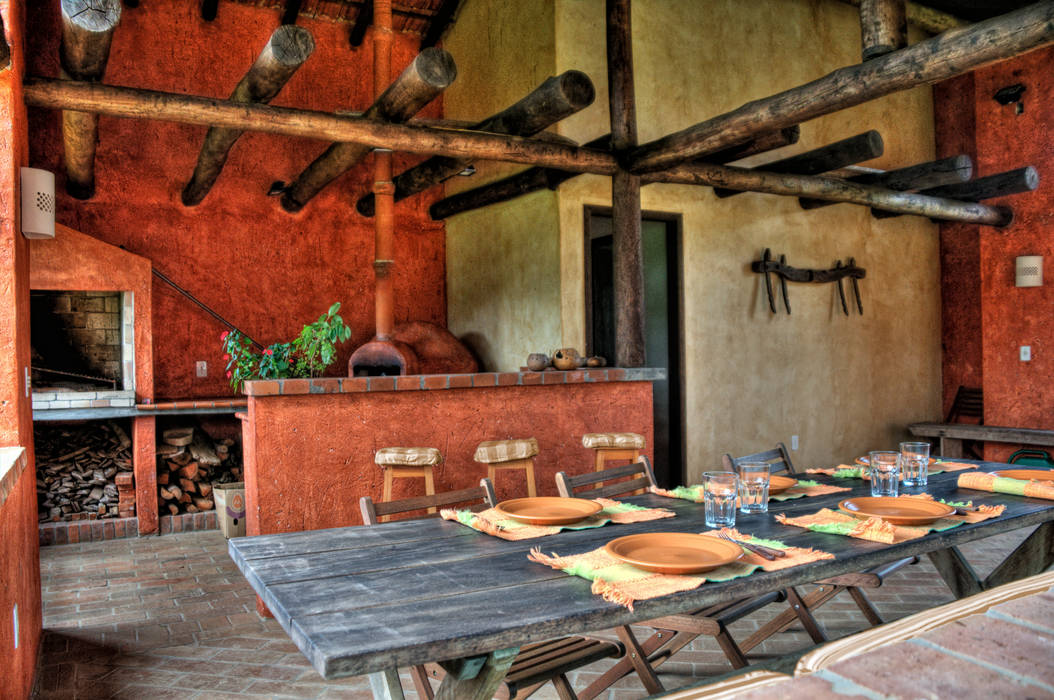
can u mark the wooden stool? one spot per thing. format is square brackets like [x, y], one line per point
[509, 454]
[407, 462]
[613, 446]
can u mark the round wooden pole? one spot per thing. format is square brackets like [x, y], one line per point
[883, 27]
[286, 50]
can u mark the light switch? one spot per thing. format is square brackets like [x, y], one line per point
[202, 368]
[1026, 353]
[794, 442]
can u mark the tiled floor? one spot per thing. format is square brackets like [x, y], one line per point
[170, 616]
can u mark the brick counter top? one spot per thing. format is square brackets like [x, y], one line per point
[432, 382]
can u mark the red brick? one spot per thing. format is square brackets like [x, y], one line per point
[73, 533]
[508, 378]
[325, 385]
[98, 533]
[118, 528]
[85, 532]
[351, 385]
[531, 378]
[263, 387]
[1025, 651]
[411, 382]
[555, 377]
[295, 386]
[436, 381]
[165, 524]
[485, 379]
[61, 534]
[596, 375]
[382, 383]
[177, 523]
[107, 530]
[460, 381]
[615, 375]
[575, 376]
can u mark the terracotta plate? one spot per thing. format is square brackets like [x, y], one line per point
[779, 484]
[1027, 474]
[549, 510]
[864, 461]
[673, 552]
[899, 511]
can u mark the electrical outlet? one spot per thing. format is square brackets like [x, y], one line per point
[1026, 353]
[794, 442]
[16, 625]
[201, 368]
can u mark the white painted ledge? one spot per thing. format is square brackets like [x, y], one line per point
[13, 462]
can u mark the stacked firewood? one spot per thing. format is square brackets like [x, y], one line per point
[189, 462]
[76, 471]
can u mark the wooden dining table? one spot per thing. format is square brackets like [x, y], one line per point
[368, 600]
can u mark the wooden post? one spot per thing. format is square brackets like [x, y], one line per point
[534, 179]
[556, 98]
[87, 29]
[427, 75]
[833, 190]
[839, 154]
[998, 185]
[883, 27]
[955, 52]
[945, 171]
[286, 50]
[383, 188]
[627, 250]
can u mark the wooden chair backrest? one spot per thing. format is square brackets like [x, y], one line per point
[640, 476]
[968, 403]
[778, 458]
[478, 498]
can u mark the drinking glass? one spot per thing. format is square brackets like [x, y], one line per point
[915, 462]
[754, 487]
[719, 498]
[885, 473]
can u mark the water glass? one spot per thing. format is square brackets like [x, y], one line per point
[885, 473]
[754, 487]
[719, 498]
[915, 463]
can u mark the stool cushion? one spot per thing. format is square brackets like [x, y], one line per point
[625, 441]
[407, 456]
[495, 451]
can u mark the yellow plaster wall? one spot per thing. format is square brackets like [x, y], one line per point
[503, 262]
[843, 385]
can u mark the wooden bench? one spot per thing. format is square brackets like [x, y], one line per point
[952, 435]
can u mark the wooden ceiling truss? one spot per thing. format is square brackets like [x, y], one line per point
[698, 155]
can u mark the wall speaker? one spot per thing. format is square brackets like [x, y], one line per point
[38, 203]
[1028, 271]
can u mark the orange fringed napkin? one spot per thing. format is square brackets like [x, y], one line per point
[622, 583]
[980, 481]
[835, 522]
[493, 522]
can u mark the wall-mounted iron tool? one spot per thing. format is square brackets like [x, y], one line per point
[787, 273]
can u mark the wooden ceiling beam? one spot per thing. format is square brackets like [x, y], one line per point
[137, 103]
[954, 52]
[431, 72]
[855, 149]
[945, 171]
[555, 99]
[999, 185]
[287, 49]
[883, 27]
[440, 23]
[926, 18]
[834, 190]
[87, 30]
[534, 179]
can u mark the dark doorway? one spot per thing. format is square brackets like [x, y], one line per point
[662, 309]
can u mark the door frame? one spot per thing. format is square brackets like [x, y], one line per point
[675, 223]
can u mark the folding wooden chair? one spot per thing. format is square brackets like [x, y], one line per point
[673, 632]
[968, 403]
[779, 460]
[535, 664]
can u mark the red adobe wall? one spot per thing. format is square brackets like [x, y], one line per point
[19, 549]
[309, 456]
[267, 271]
[986, 317]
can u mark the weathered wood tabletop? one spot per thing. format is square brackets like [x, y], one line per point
[361, 600]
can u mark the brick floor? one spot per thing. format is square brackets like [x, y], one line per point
[171, 616]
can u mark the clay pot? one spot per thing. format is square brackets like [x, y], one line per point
[596, 361]
[537, 361]
[566, 358]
